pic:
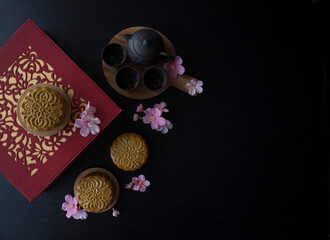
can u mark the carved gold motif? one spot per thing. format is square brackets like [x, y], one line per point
[25, 148]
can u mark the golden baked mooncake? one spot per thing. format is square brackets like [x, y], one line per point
[95, 193]
[129, 151]
[42, 109]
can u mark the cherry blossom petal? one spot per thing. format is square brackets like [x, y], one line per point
[199, 83]
[154, 125]
[148, 111]
[84, 131]
[129, 185]
[135, 180]
[169, 125]
[136, 117]
[95, 121]
[160, 128]
[79, 123]
[167, 67]
[95, 129]
[147, 119]
[180, 70]
[68, 214]
[140, 108]
[178, 60]
[193, 82]
[192, 91]
[75, 201]
[164, 130]
[156, 112]
[199, 89]
[142, 188]
[146, 183]
[68, 198]
[90, 110]
[71, 211]
[163, 104]
[80, 214]
[115, 212]
[161, 121]
[136, 187]
[142, 178]
[65, 206]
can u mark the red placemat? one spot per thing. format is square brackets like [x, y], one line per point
[30, 57]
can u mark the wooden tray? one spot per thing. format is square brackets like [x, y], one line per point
[141, 92]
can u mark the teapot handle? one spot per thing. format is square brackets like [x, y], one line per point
[168, 57]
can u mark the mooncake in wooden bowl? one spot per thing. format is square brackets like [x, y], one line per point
[43, 109]
[97, 190]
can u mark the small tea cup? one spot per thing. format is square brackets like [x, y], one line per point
[127, 78]
[154, 79]
[114, 54]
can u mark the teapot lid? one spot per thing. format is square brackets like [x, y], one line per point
[147, 43]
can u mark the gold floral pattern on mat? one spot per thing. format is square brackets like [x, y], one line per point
[24, 148]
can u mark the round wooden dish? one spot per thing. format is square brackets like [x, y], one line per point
[90, 171]
[55, 130]
[141, 92]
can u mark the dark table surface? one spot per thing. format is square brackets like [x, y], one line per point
[246, 158]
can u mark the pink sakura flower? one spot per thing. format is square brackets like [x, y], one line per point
[153, 116]
[140, 108]
[89, 111]
[175, 67]
[162, 107]
[80, 214]
[164, 129]
[194, 86]
[136, 117]
[88, 124]
[115, 212]
[140, 183]
[70, 205]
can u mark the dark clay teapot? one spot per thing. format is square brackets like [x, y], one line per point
[146, 47]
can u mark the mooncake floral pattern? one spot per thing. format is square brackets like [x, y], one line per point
[24, 148]
[129, 151]
[42, 109]
[95, 193]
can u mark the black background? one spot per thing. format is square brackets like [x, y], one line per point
[246, 158]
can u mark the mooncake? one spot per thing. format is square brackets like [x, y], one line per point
[42, 109]
[129, 151]
[95, 192]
